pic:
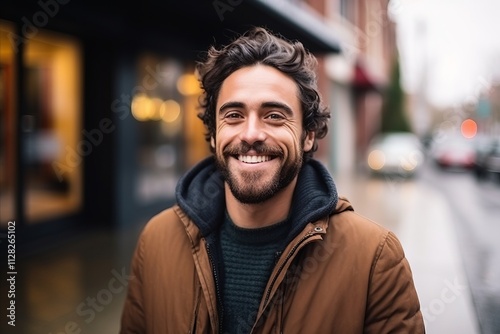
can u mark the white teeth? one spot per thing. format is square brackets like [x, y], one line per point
[253, 159]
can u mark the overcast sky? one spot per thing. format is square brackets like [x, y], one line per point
[449, 49]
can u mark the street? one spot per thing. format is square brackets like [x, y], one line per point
[476, 216]
[448, 225]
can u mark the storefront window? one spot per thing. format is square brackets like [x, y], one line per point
[51, 126]
[7, 126]
[171, 137]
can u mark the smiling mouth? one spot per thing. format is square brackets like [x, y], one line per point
[254, 159]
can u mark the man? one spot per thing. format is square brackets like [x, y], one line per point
[259, 241]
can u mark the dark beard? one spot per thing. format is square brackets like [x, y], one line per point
[250, 194]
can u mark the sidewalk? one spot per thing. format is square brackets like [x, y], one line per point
[421, 219]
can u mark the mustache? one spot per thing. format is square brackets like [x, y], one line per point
[259, 148]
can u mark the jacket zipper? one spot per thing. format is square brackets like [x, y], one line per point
[217, 287]
[289, 255]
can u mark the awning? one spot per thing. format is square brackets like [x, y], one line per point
[363, 80]
[303, 24]
[221, 20]
[189, 25]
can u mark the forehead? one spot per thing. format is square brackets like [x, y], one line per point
[258, 84]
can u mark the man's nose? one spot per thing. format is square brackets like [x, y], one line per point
[253, 131]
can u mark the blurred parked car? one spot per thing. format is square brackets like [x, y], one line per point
[395, 153]
[454, 151]
[488, 160]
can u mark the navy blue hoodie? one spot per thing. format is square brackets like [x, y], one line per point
[200, 193]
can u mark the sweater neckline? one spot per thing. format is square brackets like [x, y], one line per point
[258, 236]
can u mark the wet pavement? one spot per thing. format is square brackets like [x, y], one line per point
[421, 218]
[475, 207]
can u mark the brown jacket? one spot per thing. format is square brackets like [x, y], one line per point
[341, 274]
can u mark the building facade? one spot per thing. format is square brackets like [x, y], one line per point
[354, 80]
[99, 104]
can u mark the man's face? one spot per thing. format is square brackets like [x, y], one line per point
[258, 141]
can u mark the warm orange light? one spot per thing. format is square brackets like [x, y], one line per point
[188, 84]
[170, 111]
[469, 128]
[142, 107]
[156, 114]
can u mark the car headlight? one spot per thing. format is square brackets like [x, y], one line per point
[407, 165]
[376, 159]
[412, 161]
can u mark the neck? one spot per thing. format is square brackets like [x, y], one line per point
[263, 214]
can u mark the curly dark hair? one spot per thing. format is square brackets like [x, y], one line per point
[260, 46]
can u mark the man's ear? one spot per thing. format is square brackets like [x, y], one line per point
[309, 141]
[212, 142]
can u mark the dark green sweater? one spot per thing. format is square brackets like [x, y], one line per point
[248, 256]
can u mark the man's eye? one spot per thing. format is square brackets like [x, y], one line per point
[233, 115]
[275, 116]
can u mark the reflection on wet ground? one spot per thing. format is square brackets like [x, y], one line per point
[77, 286]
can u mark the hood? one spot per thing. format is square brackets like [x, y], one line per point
[200, 193]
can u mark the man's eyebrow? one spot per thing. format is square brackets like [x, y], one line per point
[267, 105]
[278, 105]
[231, 104]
